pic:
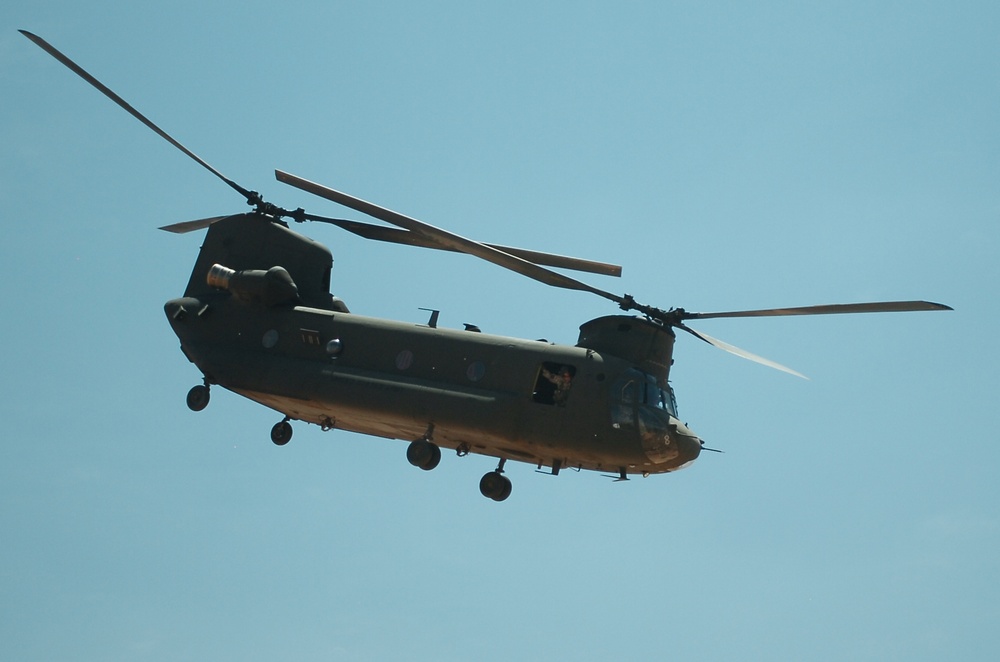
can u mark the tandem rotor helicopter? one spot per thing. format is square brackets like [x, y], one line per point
[257, 318]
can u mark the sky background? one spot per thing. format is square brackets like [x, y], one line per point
[729, 155]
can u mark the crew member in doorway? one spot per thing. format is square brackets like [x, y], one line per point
[563, 381]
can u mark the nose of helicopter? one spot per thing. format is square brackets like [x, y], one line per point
[688, 443]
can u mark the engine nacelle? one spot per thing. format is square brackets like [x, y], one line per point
[270, 288]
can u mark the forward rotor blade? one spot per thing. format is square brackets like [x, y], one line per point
[732, 349]
[79, 71]
[191, 226]
[406, 237]
[562, 261]
[833, 309]
[444, 238]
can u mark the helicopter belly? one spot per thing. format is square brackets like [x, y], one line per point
[333, 417]
[447, 432]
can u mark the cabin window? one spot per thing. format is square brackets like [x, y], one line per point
[553, 383]
[475, 371]
[404, 359]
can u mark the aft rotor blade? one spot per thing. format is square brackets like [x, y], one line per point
[833, 309]
[191, 226]
[444, 238]
[732, 349]
[79, 71]
[406, 237]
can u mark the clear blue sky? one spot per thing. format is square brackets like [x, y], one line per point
[729, 155]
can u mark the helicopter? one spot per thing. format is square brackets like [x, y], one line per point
[257, 318]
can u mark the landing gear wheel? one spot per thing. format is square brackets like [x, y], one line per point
[496, 486]
[508, 487]
[423, 454]
[197, 397]
[281, 433]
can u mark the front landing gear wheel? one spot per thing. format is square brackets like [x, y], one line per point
[423, 454]
[281, 433]
[496, 486]
[197, 398]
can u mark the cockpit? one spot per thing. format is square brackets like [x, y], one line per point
[657, 397]
[639, 404]
[639, 388]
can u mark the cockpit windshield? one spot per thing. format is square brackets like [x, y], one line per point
[655, 396]
[637, 387]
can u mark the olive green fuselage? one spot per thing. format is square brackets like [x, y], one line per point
[603, 404]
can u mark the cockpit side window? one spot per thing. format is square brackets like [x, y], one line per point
[624, 396]
[626, 392]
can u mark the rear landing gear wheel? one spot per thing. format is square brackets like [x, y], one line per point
[281, 433]
[197, 397]
[496, 486]
[423, 454]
